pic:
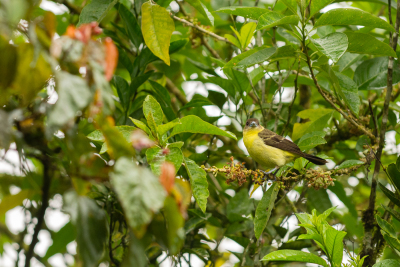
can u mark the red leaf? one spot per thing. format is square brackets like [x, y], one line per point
[111, 59]
[167, 177]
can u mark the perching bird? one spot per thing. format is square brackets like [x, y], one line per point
[271, 150]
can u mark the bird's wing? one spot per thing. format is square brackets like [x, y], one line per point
[272, 139]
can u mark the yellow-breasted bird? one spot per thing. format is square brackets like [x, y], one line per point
[271, 150]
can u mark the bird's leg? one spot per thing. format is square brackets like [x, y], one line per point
[274, 171]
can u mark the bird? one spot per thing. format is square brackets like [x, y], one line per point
[271, 150]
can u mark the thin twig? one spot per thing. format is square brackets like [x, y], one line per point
[188, 23]
[296, 88]
[373, 117]
[332, 103]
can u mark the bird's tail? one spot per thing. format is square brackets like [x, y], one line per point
[314, 159]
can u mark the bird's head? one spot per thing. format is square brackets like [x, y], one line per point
[252, 124]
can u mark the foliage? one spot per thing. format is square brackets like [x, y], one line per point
[127, 116]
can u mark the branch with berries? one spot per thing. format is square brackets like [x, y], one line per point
[316, 178]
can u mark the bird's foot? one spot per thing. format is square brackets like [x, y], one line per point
[267, 174]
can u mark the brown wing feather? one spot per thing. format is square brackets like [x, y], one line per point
[272, 139]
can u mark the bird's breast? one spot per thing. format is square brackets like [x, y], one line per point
[267, 156]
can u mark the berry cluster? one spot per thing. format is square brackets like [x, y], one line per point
[319, 179]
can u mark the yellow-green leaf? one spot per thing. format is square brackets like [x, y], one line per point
[318, 119]
[157, 28]
[11, 201]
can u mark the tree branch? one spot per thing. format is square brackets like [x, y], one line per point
[369, 243]
[42, 210]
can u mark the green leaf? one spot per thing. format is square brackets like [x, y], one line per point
[8, 64]
[9, 202]
[164, 128]
[319, 119]
[90, 222]
[362, 43]
[272, 19]
[338, 190]
[304, 218]
[347, 60]
[163, 3]
[199, 6]
[394, 243]
[244, 11]
[176, 144]
[197, 101]
[122, 87]
[157, 28]
[291, 4]
[239, 79]
[73, 95]
[264, 209]
[139, 197]
[372, 73]
[389, 194]
[352, 16]
[286, 51]
[193, 124]
[31, 60]
[156, 157]
[251, 57]
[311, 140]
[319, 199]
[394, 175]
[117, 141]
[142, 126]
[151, 106]
[202, 66]
[217, 98]
[333, 45]
[350, 163]
[131, 25]
[333, 240]
[353, 225]
[246, 34]
[225, 84]
[175, 223]
[97, 135]
[331, 77]
[386, 226]
[294, 255]
[233, 40]
[198, 182]
[60, 240]
[387, 263]
[135, 254]
[317, 5]
[394, 213]
[146, 56]
[240, 204]
[95, 11]
[398, 163]
[349, 90]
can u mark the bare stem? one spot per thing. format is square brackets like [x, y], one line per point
[188, 23]
[42, 210]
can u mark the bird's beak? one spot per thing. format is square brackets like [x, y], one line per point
[253, 124]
